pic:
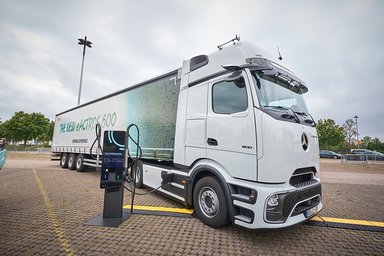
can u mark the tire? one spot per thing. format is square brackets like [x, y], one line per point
[139, 173]
[80, 167]
[210, 203]
[64, 160]
[72, 162]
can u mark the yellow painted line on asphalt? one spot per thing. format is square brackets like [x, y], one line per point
[63, 241]
[160, 209]
[349, 221]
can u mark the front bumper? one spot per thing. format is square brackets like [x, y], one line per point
[298, 205]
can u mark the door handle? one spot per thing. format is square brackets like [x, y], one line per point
[212, 142]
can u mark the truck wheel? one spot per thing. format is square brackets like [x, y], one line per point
[138, 174]
[209, 202]
[72, 162]
[64, 160]
[80, 167]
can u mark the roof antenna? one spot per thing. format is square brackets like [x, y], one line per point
[280, 58]
[237, 37]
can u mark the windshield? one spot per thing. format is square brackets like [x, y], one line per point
[271, 94]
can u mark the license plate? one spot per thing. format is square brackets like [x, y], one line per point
[311, 212]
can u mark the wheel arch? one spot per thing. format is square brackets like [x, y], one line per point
[205, 170]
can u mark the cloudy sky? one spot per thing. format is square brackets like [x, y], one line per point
[336, 47]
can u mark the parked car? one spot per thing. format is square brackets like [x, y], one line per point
[2, 157]
[371, 155]
[3, 153]
[360, 151]
[329, 154]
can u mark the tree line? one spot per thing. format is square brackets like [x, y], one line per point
[344, 138]
[24, 127]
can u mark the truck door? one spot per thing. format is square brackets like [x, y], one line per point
[231, 132]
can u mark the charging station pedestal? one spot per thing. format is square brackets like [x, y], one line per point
[112, 180]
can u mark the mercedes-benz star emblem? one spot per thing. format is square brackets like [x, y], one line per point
[304, 141]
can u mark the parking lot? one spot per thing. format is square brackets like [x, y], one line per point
[44, 210]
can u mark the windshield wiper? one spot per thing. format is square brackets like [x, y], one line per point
[301, 113]
[286, 115]
[308, 121]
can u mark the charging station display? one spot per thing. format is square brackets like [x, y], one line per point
[112, 168]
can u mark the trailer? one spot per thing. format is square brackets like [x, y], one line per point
[227, 133]
[151, 105]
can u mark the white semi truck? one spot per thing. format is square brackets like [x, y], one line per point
[229, 132]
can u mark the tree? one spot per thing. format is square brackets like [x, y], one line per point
[330, 134]
[2, 129]
[23, 127]
[48, 133]
[373, 143]
[39, 127]
[365, 141]
[376, 144]
[349, 130]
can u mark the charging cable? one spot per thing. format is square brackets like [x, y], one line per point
[98, 140]
[137, 157]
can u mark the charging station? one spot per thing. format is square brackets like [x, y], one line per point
[114, 164]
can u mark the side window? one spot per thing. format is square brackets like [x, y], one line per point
[229, 97]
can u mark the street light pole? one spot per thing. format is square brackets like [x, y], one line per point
[357, 131]
[86, 44]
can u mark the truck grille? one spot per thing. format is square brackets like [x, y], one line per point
[301, 195]
[303, 177]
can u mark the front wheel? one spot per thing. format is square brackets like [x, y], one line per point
[209, 202]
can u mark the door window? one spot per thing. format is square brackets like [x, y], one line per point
[229, 97]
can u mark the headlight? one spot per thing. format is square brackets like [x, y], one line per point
[274, 208]
[272, 202]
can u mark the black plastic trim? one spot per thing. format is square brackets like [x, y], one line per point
[169, 165]
[284, 115]
[198, 61]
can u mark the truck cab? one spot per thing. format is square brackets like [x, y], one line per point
[242, 118]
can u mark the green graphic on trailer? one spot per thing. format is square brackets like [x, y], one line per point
[153, 108]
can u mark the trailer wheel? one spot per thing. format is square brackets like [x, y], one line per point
[209, 202]
[64, 160]
[80, 167]
[138, 174]
[72, 162]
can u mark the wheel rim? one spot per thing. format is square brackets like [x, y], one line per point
[209, 202]
[63, 160]
[70, 161]
[78, 163]
[137, 175]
